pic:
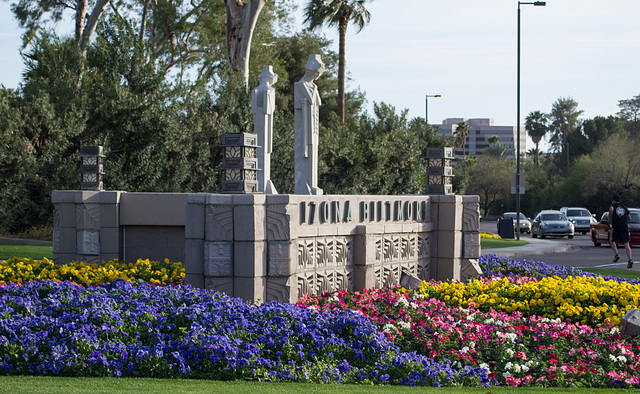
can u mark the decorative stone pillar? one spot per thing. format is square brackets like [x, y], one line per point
[439, 171]
[240, 163]
[91, 168]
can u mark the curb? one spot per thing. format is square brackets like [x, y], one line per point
[521, 251]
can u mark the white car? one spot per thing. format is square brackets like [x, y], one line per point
[581, 218]
[525, 222]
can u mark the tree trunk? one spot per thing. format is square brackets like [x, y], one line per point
[241, 20]
[81, 12]
[342, 27]
[92, 23]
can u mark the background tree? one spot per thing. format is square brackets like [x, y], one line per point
[630, 111]
[460, 134]
[536, 126]
[338, 13]
[490, 178]
[241, 21]
[564, 118]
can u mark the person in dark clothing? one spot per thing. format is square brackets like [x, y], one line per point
[618, 217]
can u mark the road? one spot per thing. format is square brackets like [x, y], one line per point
[582, 254]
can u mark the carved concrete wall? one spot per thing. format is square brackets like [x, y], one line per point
[280, 247]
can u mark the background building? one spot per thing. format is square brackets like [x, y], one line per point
[480, 130]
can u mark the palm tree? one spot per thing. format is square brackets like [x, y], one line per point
[340, 13]
[461, 133]
[536, 126]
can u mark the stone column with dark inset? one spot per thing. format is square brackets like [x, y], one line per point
[307, 104]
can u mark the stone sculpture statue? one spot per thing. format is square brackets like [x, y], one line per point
[263, 100]
[307, 104]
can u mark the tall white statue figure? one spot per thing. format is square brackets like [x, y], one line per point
[263, 103]
[307, 104]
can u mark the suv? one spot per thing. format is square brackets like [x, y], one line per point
[581, 218]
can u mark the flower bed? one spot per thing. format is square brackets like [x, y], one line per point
[17, 270]
[506, 328]
[160, 331]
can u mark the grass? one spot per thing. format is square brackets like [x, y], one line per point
[490, 243]
[34, 252]
[621, 273]
[63, 385]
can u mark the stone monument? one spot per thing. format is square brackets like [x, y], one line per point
[307, 104]
[263, 102]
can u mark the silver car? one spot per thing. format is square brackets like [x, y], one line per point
[581, 218]
[551, 224]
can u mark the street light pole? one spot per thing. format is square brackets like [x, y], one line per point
[426, 108]
[535, 3]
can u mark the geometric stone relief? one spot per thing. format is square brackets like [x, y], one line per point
[221, 285]
[324, 252]
[306, 253]
[424, 245]
[470, 217]
[278, 226]
[323, 280]
[470, 269]
[219, 222]
[88, 242]
[218, 259]
[387, 275]
[471, 244]
[87, 216]
[424, 269]
[279, 258]
[279, 289]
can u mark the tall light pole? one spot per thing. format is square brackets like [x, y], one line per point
[535, 3]
[426, 108]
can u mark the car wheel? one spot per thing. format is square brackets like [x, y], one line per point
[594, 239]
[529, 232]
[584, 233]
[542, 235]
[570, 236]
[534, 235]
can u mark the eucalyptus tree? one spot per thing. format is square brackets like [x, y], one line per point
[630, 110]
[338, 13]
[536, 124]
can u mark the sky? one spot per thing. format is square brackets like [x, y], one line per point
[466, 51]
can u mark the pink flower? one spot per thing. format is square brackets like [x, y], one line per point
[511, 381]
[521, 355]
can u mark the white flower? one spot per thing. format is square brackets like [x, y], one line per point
[464, 349]
[403, 302]
[506, 374]
[484, 366]
[612, 358]
[508, 365]
[404, 324]
[510, 352]
[472, 345]
[388, 327]
[614, 330]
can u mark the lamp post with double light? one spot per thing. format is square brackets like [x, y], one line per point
[538, 4]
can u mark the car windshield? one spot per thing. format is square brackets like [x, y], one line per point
[513, 216]
[578, 212]
[552, 216]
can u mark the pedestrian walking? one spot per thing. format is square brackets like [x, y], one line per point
[618, 218]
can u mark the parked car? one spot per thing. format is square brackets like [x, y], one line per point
[581, 218]
[525, 222]
[551, 223]
[600, 231]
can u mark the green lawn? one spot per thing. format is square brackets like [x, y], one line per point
[621, 273]
[52, 385]
[491, 243]
[35, 252]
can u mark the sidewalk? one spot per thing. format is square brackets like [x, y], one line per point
[535, 247]
[19, 241]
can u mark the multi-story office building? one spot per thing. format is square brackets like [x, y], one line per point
[480, 130]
